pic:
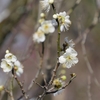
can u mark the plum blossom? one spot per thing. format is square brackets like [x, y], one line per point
[69, 58]
[18, 68]
[47, 27]
[6, 66]
[11, 62]
[69, 43]
[45, 4]
[39, 36]
[64, 21]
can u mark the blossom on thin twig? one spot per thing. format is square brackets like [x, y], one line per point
[63, 19]
[18, 68]
[69, 58]
[6, 66]
[10, 57]
[69, 43]
[39, 36]
[9, 62]
[47, 27]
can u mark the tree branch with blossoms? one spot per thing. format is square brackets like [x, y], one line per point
[66, 54]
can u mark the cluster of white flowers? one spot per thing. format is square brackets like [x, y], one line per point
[69, 57]
[45, 28]
[9, 62]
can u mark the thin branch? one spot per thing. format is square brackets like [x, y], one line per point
[9, 93]
[40, 67]
[73, 7]
[21, 87]
[54, 73]
[84, 37]
[88, 88]
[71, 79]
[44, 79]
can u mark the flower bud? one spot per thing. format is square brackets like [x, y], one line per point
[42, 15]
[73, 75]
[51, 1]
[63, 77]
[7, 51]
[1, 88]
[55, 16]
[57, 83]
[63, 72]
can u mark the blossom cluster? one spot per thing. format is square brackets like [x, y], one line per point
[11, 62]
[45, 28]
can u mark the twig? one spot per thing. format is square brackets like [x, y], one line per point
[73, 7]
[94, 23]
[71, 79]
[9, 93]
[44, 79]
[54, 73]
[38, 84]
[21, 87]
[88, 88]
[40, 67]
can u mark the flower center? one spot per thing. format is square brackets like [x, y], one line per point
[61, 19]
[15, 68]
[46, 27]
[40, 34]
[8, 66]
[69, 58]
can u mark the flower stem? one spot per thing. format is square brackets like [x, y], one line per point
[58, 42]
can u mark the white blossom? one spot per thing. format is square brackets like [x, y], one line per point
[70, 43]
[6, 66]
[69, 58]
[64, 21]
[18, 68]
[39, 36]
[45, 4]
[10, 62]
[47, 27]
[10, 57]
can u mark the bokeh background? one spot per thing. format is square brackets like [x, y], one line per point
[18, 22]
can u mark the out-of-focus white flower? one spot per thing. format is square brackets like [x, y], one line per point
[6, 66]
[69, 58]
[47, 27]
[64, 21]
[58, 92]
[55, 16]
[10, 57]
[39, 36]
[45, 5]
[18, 68]
[42, 15]
[1, 88]
[69, 43]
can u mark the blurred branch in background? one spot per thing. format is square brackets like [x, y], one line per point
[12, 16]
